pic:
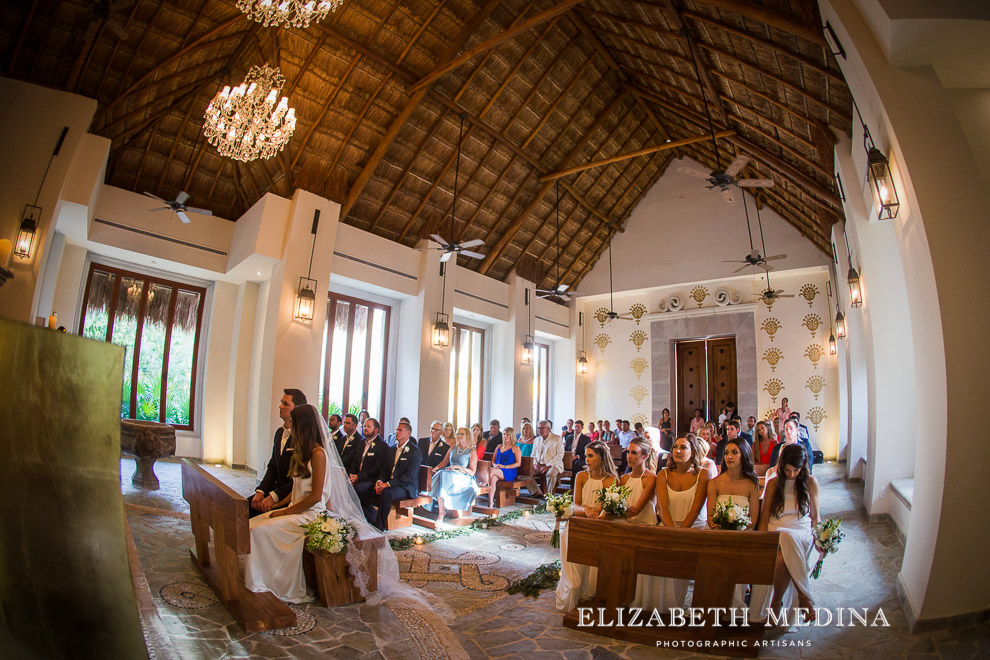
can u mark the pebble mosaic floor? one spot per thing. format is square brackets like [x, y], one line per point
[474, 618]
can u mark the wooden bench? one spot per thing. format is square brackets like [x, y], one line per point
[506, 492]
[715, 559]
[329, 575]
[401, 514]
[214, 505]
[565, 481]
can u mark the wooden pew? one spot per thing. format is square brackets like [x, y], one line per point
[715, 559]
[565, 481]
[506, 492]
[214, 505]
[484, 468]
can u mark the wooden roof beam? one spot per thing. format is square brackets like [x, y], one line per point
[771, 18]
[444, 67]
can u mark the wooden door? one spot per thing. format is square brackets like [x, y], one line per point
[721, 374]
[692, 387]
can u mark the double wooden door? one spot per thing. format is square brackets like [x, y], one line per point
[706, 378]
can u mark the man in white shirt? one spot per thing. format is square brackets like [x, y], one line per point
[548, 457]
[626, 435]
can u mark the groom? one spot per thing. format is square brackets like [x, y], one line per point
[276, 486]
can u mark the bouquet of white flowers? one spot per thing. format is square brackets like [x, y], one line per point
[561, 507]
[613, 498]
[729, 515]
[827, 538]
[328, 533]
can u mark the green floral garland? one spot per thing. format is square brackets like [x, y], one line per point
[544, 577]
[406, 542]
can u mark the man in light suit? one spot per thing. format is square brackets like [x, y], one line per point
[399, 476]
[433, 449]
[548, 457]
[276, 485]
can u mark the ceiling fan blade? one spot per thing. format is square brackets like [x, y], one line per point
[755, 183]
[776, 257]
[155, 197]
[182, 197]
[734, 261]
[563, 287]
[438, 239]
[743, 267]
[785, 295]
[473, 243]
[736, 165]
[160, 208]
[193, 209]
[182, 216]
[473, 255]
[445, 256]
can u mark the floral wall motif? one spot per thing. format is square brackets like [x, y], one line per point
[812, 322]
[698, 294]
[638, 338]
[770, 326]
[601, 341]
[639, 365]
[809, 292]
[637, 310]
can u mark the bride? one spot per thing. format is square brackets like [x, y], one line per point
[319, 483]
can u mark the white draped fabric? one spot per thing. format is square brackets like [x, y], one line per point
[577, 581]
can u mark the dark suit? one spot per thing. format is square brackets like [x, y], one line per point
[582, 443]
[346, 446]
[367, 469]
[807, 447]
[338, 438]
[276, 479]
[433, 459]
[402, 477]
[720, 448]
[747, 436]
[568, 440]
[493, 441]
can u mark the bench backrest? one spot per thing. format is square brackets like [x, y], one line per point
[213, 503]
[481, 473]
[568, 460]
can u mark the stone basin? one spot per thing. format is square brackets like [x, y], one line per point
[146, 442]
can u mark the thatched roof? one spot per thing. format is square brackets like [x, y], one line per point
[545, 85]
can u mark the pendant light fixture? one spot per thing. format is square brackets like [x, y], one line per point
[582, 364]
[441, 327]
[878, 175]
[306, 293]
[832, 347]
[529, 346]
[31, 216]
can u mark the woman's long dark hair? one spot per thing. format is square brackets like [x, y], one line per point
[305, 438]
[745, 460]
[605, 456]
[795, 456]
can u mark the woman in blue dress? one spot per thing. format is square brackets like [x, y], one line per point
[505, 463]
[454, 485]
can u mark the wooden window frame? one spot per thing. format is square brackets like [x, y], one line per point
[148, 280]
[537, 349]
[456, 329]
[332, 299]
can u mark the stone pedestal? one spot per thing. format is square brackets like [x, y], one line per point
[146, 442]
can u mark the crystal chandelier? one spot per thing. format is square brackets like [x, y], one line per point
[244, 123]
[295, 13]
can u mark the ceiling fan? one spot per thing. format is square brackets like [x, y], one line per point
[612, 315]
[179, 206]
[102, 13]
[559, 290]
[754, 258]
[450, 248]
[768, 295]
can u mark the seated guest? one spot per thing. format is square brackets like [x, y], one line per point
[791, 431]
[526, 438]
[764, 444]
[605, 433]
[454, 485]
[277, 483]
[548, 458]
[704, 446]
[666, 426]
[652, 435]
[803, 432]
[716, 435]
[592, 433]
[578, 581]
[567, 433]
[336, 434]
[350, 439]
[390, 440]
[732, 433]
[525, 420]
[749, 433]
[625, 437]
[493, 437]
[277, 538]
[638, 429]
[448, 434]
[433, 449]
[581, 441]
[366, 464]
[697, 421]
[398, 478]
[478, 440]
[505, 464]
[363, 417]
[722, 417]
[790, 506]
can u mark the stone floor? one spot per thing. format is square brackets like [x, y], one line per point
[474, 617]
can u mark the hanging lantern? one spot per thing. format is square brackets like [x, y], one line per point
[306, 299]
[529, 346]
[582, 365]
[27, 232]
[881, 185]
[441, 331]
[855, 288]
[840, 324]
[832, 348]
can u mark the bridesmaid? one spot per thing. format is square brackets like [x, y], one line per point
[641, 479]
[454, 485]
[790, 506]
[505, 463]
[577, 581]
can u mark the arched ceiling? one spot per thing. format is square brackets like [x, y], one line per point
[378, 88]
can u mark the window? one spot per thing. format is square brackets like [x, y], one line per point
[541, 382]
[158, 323]
[355, 351]
[467, 373]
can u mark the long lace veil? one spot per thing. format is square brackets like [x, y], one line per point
[344, 503]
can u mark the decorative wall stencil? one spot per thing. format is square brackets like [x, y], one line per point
[770, 326]
[638, 338]
[814, 353]
[812, 322]
[601, 365]
[671, 303]
[637, 311]
[816, 384]
[601, 315]
[773, 388]
[816, 415]
[725, 297]
[809, 292]
[601, 341]
[772, 357]
[639, 393]
[699, 293]
[641, 418]
[769, 415]
[639, 365]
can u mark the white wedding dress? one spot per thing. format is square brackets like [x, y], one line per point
[275, 562]
[577, 581]
[739, 593]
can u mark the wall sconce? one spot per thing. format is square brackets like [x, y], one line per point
[306, 293]
[529, 346]
[582, 365]
[441, 331]
[855, 289]
[881, 183]
[840, 324]
[832, 349]
[27, 232]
